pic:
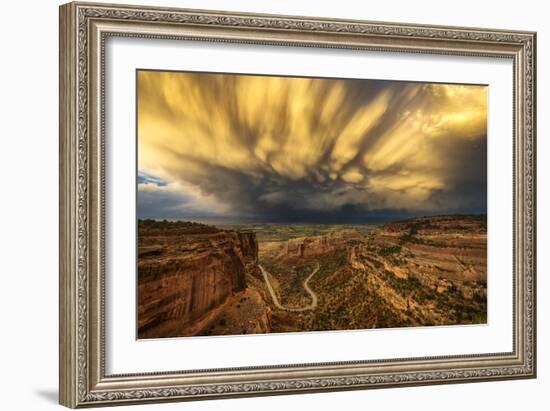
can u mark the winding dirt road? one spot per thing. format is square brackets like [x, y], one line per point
[310, 306]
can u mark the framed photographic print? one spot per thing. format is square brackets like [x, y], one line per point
[259, 204]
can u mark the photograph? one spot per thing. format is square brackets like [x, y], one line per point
[282, 204]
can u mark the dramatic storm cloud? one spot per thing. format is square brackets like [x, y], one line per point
[301, 149]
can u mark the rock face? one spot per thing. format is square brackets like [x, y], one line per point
[318, 245]
[244, 313]
[443, 247]
[417, 272]
[187, 273]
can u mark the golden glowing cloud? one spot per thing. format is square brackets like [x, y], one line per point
[277, 144]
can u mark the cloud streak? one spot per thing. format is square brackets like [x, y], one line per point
[302, 149]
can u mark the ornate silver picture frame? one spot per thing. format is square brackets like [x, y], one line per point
[84, 30]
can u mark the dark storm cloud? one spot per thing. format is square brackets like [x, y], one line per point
[295, 149]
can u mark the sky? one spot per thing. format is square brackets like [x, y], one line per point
[291, 149]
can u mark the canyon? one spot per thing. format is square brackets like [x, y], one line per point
[189, 273]
[196, 279]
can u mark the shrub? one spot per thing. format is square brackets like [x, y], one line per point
[387, 251]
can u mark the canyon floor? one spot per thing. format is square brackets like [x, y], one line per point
[196, 279]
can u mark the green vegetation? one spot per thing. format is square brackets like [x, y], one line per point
[290, 278]
[387, 251]
[329, 265]
[404, 286]
[284, 232]
[185, 227]
[347, 302]
[374, 262]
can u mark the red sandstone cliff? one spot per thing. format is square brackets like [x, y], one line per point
[187, 274]
[318, 245]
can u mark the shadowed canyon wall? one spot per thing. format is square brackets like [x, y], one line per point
[187, 272]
